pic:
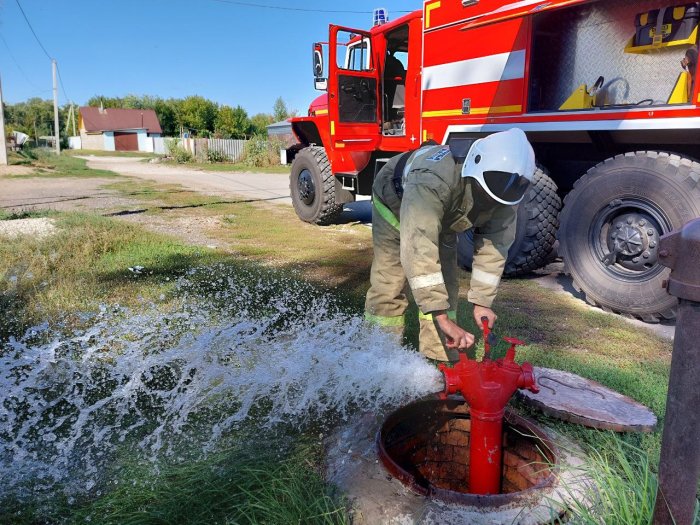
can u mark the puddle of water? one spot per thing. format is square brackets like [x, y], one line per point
[256, 352]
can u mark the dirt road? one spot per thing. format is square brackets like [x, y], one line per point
[23, 194]
[272, 187]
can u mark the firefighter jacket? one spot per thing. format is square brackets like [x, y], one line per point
[430, 202]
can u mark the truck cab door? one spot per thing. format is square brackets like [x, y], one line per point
[353, 91]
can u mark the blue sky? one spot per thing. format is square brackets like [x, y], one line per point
[230, 53]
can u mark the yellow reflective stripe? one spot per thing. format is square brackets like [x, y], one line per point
[451, 315]
[382, 320]
[428, 8]
[473, 111]
[385, 213]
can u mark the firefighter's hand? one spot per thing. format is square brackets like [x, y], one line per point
[455, 336]
[483, 311]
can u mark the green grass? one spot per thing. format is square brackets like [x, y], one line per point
[24, 214]
[226, 166]
[338, 255]
[84, 264]
[19, 158]
[255, 485]
[625, 482]
[102, 153]
[49, 165]
[269, 482]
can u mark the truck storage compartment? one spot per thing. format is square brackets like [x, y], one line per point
[668, 26]
[572, 48]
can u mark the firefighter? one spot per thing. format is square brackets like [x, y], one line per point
[420, 201]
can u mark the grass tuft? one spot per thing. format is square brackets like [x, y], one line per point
[48, 164]
[244, 485]
[623, 488]
[84, 264]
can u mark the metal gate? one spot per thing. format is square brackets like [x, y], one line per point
[126, 141]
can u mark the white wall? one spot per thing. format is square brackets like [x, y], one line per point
[109, 140]
[75, 143]
[145, 142]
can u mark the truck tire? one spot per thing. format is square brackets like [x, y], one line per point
[611, 224]
[538, 220]
[312, 187]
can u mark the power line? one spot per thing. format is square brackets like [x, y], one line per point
[33, 32]
[60, 80]
[303, 9]
[19, 67]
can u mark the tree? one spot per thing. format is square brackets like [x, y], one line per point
[259, 123]
[105, 102]
[279, 110]
[33, 117]
[233, 122]
[167, 116]
[197, 114]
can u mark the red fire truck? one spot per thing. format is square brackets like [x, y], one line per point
[605, 91]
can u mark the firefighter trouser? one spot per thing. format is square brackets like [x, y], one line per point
[386, 299]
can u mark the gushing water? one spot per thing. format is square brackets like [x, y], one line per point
[254, 352]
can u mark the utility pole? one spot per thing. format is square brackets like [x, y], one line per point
[55, 109]
[679, 466]
[3, 137]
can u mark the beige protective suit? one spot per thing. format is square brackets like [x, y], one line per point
[414, 240]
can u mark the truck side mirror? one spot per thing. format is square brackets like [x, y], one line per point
[320, 82]
[318, 61]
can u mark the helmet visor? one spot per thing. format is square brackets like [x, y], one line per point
[509, 187]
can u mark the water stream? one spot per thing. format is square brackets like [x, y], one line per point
[229, 350]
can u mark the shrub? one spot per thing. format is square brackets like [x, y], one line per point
[260, 152]
[214, 156]
[177, 152]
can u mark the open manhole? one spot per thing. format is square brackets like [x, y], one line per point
[426, 446]
[413, 467]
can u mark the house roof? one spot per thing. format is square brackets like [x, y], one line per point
[282, 127]
[113, 119]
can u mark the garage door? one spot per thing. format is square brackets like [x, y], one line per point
[126, 141]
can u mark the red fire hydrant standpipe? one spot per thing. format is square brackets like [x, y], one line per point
[487, 386]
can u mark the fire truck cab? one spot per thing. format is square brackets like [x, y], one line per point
[605, 90]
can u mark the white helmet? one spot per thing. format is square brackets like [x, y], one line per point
[503, 164]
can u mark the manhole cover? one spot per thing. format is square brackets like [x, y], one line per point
[573, 398]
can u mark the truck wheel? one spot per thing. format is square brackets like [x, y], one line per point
[611, 224]
[538, 220]
[312, 187]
